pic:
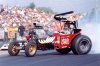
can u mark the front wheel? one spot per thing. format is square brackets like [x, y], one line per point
[13, 49]
[81, 45]
[30, 49]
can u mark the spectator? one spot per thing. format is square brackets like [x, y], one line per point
[21, 30]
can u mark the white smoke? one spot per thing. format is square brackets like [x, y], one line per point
[93, 31]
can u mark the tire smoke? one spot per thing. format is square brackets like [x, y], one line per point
[92, 30]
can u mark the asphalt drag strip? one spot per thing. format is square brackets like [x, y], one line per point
[49, 58]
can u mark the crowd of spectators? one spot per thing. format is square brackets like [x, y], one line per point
[14, 16]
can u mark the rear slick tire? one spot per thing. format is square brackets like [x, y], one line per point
[81, 45]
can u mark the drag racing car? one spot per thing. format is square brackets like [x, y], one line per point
[64, 41]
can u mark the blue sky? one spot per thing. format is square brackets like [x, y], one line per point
[57, 5]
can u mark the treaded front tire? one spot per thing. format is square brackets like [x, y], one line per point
[30, 49]
[13, 48]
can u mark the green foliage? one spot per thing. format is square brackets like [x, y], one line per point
[32, 5]
[45, 9]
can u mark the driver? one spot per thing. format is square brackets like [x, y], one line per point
[66, 29]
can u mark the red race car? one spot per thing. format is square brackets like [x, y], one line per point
[64, 41]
